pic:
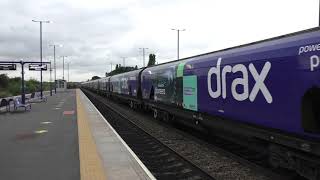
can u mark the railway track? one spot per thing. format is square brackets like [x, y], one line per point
[216, 158]
[161, 160]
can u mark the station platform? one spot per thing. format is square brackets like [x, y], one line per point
[64, 138]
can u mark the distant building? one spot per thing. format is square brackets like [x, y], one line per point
[61, 85]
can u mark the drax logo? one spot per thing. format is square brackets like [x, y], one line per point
[221, 84]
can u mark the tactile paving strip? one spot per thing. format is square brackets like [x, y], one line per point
[91, 167]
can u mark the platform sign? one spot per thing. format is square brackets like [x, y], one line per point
[37, 67]
[8, 67]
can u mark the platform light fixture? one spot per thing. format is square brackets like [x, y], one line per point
[63, 66]
[143, 56]
[40, 22]
[178, 30]
[68, 71]
[54, 62]
[124, 61]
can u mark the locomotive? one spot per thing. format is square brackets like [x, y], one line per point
[267, 91]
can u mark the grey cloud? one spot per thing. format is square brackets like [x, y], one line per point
[84, 33]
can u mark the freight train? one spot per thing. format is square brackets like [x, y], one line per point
[267, 91]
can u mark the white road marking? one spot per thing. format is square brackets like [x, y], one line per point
[41, 131]
[46, 122]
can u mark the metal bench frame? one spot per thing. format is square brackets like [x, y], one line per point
[5, 103]
[17, 103]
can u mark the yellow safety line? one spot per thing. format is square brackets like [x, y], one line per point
[91, 167]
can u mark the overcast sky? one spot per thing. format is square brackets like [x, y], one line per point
[94, 33]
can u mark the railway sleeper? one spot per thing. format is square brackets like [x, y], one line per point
[306, 166]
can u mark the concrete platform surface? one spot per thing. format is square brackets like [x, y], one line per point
[41, 143]
[65, 138]
[118, 159]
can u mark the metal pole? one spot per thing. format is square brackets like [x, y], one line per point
[41, 88]
[110, 66]
[50, 79]
[68, 72]
[23, 96]
[62, 67]
[108, 58]
[55, 69]
[178, 31]
[143, 56]
[178, 42]
[144, 59]
[144, 65]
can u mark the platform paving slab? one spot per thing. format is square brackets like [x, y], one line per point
[118, 160]
[91, 166]
[44, 143]
[41, 143]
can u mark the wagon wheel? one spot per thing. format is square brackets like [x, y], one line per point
[155, 113]
[131, 104]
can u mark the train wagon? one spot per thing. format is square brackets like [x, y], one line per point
[266, 93]
[269, 90]
[126, 86]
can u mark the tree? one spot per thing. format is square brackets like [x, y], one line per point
[4, 81]
[121, 69]
[16, 79]
[117, 66]
[95, 77]
[32, 85]
[12, 86]
[152, 60]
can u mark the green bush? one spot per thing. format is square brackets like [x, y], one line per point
[4, 93]
[12, 86]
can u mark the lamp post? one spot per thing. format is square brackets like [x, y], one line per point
[68, 71]
[124, 61]
[54, 59]
[178, 30]
[50, 79]
[40, 22]
[143, 54]
[63, 66]
[108, 58]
